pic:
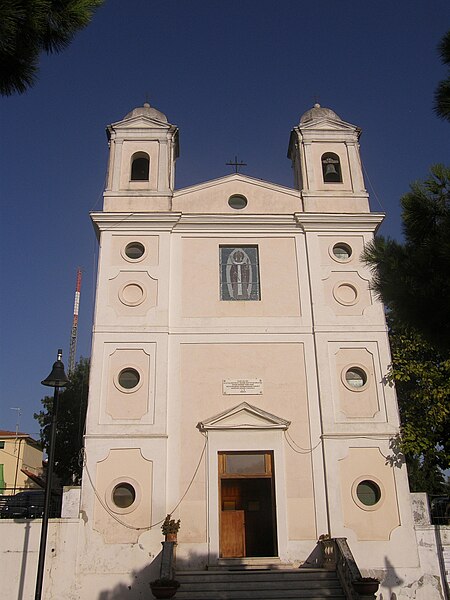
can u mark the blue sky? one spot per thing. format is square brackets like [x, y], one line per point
[235, 77]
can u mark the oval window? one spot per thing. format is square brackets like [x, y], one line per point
[342, 251]
[129, 378]
[237, 201]
[134, 250]
[356, 377]
[123, 495]
[368, 492]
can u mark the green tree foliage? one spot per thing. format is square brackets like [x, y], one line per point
[29, 27]
[72, 405]
[422, 378]
[442, 94]
[413, 277]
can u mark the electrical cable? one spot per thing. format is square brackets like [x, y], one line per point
[300, 450]
[371, 185]
[108, 510]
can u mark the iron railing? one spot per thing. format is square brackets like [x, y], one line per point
[28, 503]
[439, 510]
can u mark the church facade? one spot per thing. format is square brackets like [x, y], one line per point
[239, 361]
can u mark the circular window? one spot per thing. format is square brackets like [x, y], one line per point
[123, 495]
[129, 378]
[355, 378]
[134, 250]
[342, 251]
[368, 492]
[237, 201]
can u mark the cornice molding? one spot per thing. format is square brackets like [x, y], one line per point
[339, 221]
[137, 193]
[299, 221]
[369, 436]
[238, 222]
[105, 221]
[336, 194]
[124, 435]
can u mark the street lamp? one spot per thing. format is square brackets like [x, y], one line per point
[56, 379]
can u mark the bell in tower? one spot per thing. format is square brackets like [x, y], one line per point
[331, 168]
[324, 151]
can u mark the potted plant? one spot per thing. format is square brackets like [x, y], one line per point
[366, 586]
[170, 528]
[164, 588]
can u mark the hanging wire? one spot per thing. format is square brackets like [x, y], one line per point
[100, 194]
[371, 185]
[108, 510]
[290, 441]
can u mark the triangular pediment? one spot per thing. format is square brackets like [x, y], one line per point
[244, 416]
[327, 123]
[235, 178]
[263, 197]
[141, 121]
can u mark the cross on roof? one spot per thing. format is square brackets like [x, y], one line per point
[236, 164]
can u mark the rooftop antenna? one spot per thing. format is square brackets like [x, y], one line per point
[19, 414]
[17, 446]
[74, 332]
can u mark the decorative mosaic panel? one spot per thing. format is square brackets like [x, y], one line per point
[239, 273]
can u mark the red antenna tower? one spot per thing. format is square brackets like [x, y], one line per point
[74, 333]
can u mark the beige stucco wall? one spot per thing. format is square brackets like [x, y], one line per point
[212, 197]
[17, 454]
[340, 149]
[203, 367]
[128, 150]
[278, 274]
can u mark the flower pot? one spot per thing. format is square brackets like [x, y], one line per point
[366, 587]
[163, 591]
[171, 537]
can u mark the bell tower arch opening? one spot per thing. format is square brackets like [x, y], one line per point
[140, 166]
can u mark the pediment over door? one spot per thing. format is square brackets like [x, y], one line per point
[243, 416]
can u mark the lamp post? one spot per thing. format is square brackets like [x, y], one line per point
[56, 379]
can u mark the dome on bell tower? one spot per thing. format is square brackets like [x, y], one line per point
[318, 112]
[146, 111]
[143, 148]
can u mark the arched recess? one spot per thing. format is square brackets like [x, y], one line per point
[140, 166]
[331, 168]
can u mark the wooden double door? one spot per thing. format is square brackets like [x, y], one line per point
[247, 504]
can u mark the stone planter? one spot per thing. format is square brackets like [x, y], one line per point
[367, 586]
[163, 591]
[164, 588]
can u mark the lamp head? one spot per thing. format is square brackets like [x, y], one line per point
[57, 377]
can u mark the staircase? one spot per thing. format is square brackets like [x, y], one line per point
[256, 584]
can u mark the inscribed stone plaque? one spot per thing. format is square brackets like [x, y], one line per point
[242, 386]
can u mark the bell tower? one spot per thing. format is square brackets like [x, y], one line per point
[143, 148]
[324, 151]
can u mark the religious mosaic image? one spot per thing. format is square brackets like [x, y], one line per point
[239, 273]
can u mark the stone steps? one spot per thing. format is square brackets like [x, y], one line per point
[254, 584]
